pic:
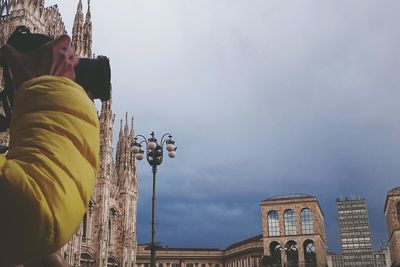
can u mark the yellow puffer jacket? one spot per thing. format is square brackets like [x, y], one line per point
[49, 172]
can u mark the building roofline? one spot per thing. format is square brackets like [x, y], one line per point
[397, 188]
[242, 242]
[293, 197]
[288, 197]
[387, 196]
[183, 249]
[245, 241]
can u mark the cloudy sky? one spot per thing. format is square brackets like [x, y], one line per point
[263, 97]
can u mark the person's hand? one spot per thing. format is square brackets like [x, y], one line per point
[53, 58]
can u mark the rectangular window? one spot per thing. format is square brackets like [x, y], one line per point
[290, 222]
[273, 223]
[306, 221]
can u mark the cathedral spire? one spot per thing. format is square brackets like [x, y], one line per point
[80, 6]
[106, 119]
[87, 34]
[106, 112]
[88, 14]
[77, 30]
[132, 134]
[88, 11]
[120, 129]
[124, 157]
[126, 129]
[118, 153]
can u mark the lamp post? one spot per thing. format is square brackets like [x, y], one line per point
[154, 155]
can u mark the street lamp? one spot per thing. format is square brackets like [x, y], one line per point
[154, 154]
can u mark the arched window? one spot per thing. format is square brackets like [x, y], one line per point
[111, 220]
[112, 262]
[87, 260]
[290, 222]
[292, 253]
[273, 223]
[306, 221]
[310, 256]
[398, 211]
[275, 250]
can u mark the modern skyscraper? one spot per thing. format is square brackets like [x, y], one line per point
[355, 235]
[382, 257]
[335, 260]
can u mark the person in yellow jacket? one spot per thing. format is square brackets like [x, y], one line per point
[49, 171]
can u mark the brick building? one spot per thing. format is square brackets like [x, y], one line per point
[392, 215]
[294, 231]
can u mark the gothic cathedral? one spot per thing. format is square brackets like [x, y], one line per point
[107, 235]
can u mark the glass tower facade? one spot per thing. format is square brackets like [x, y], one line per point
[355, 235]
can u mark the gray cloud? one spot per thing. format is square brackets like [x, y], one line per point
[263, 98]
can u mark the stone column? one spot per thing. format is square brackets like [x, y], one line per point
[283, 258]
[300, 251]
